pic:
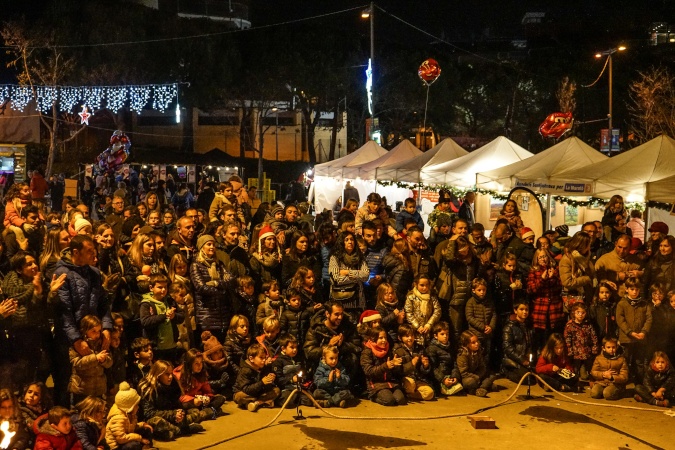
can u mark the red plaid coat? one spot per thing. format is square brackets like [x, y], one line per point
[547, 305]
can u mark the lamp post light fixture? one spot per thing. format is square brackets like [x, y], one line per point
[608, 54]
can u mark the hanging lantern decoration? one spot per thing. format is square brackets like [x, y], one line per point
[429, 71]
[556, 125]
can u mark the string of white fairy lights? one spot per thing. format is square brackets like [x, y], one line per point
[114, 98]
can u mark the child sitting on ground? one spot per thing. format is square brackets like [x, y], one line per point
[253, 389]
[581, 341]
[288, 370]
[193, 381]
[553, 364]
[270, 338]
[216, 362]
[88, 372]
[472, 365]
[236, 342]
[54, 431]
[332, 380]
[89, 423]
[381, 369]
[142, 350]
[34, 403]
[610, 371]
[161, 406]
[123, 430]
[445, 371]
[416, 367]
[658, 385]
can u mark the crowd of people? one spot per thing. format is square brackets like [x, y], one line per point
[151, 317]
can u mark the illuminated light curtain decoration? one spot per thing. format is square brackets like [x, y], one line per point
[114, 98]
[46, 97]
[163, 95]
[20, 96]
[138, 97]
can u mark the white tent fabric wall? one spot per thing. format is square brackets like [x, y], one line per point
[462, 171]
[535, 172]
[369, 151]
[409, 171]
[404, 151]
[630, 174]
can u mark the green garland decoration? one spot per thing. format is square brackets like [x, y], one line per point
[576, 202]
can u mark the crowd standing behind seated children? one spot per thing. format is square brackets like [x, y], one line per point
[160, 318]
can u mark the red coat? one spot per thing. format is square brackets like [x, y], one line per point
[38, 186]
[546, 367]
[197, 388]
[49, 438]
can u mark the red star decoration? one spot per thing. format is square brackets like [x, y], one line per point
[84, 115]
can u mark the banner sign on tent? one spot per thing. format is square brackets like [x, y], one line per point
[432, 196]
[545, 187]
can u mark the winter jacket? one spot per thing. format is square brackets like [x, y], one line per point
[479, 314]
[272, 348]
[88, 375]
[163, 403]
[38, 186]
[454, 281]
[319, 335]
[442, 361]
[378, 375]
[576, 275]
[581, 340]
[603, 316]
[363, 214]
[547, 305]
[263, 272]
[660, 269]
[213, 304]
[471, 366]
[219, 200]
[249, 381]
[296, 322]
[617, 363]
[546, 367]
[503, 296]
[197, 387]
[654, 380]
[633, 319]
[49, 438]
[517, 341]
[357, 276]
[156, 326]
[389, 321]
[332, 387]
[419, 318]
[407, 369]
[236, 260]
[121, 428]
[81, 294]
[267, 308]
[235, 351]
[31, 309]
[89, 433]
[398, 275]
[290, 265]
[285, 368]
[402, 216]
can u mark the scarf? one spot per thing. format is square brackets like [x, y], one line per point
[379, 352]
[425, 304]
[269, 260]
[351, 260]
[213, 268]
[664, 259]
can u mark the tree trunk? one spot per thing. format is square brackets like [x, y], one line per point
[333, 135]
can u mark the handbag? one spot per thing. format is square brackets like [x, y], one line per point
[343, 293]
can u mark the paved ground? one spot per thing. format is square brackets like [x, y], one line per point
[548, 421]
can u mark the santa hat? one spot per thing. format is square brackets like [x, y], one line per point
[369, 315]
[526, 233]
[265, 232]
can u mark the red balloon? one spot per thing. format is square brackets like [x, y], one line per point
[556, 125]
[429, 71]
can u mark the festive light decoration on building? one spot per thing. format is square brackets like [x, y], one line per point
[114, 98]
[84, 115]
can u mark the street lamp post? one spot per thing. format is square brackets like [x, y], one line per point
[608, 54]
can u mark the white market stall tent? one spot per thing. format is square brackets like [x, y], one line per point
[643, 173]
[328, 180]
[536, 172]
[462, 171]
[409, 171]
[403, 152]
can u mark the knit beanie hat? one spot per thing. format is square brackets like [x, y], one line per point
[211, 343]
[80, 224]
[526, 233]
[562, 230]
[369, 315]
[276, 209]
[444, 220]
[127, 397]
[203, 239]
